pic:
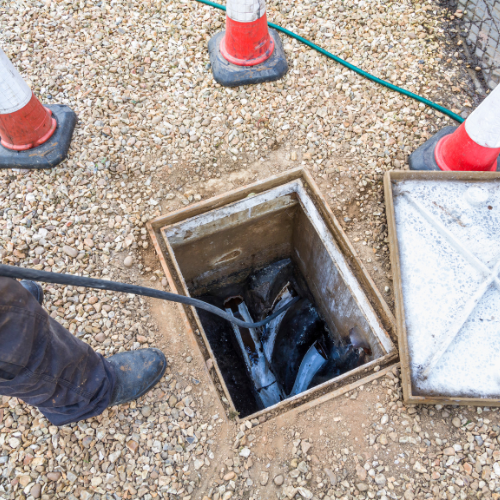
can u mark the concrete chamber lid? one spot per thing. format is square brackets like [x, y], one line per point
[448, 236]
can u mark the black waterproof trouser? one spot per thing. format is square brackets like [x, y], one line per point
[43, 364]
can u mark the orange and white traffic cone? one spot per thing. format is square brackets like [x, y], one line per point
[31, 135]
[473, 146]
[248, 51]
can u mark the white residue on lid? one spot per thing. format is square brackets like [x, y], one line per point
[438, 281]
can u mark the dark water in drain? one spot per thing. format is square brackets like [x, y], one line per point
[302, 335]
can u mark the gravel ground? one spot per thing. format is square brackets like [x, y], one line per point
[155, 133]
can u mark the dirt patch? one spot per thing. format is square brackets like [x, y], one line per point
[187, 366]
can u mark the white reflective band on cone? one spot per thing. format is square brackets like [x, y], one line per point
[245, 11]
[14, 92]
[483, 125]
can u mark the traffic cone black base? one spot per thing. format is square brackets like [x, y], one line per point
[231, 75]
[50, 153]
[423, 157]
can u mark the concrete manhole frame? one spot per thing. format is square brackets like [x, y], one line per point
[196, 335]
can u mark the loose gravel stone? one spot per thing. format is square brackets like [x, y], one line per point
[132, 445]
[72, 252]
[229, 476]
[156, 133]
[36, 490]
[264, 478]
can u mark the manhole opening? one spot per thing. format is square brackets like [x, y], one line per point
[280, 248]
[294, 352]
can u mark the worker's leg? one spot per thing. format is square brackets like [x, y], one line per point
[45, 366]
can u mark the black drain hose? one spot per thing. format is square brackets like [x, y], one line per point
[69, 279]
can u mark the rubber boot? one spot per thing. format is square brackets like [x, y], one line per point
[137, 372]
[34, 288]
